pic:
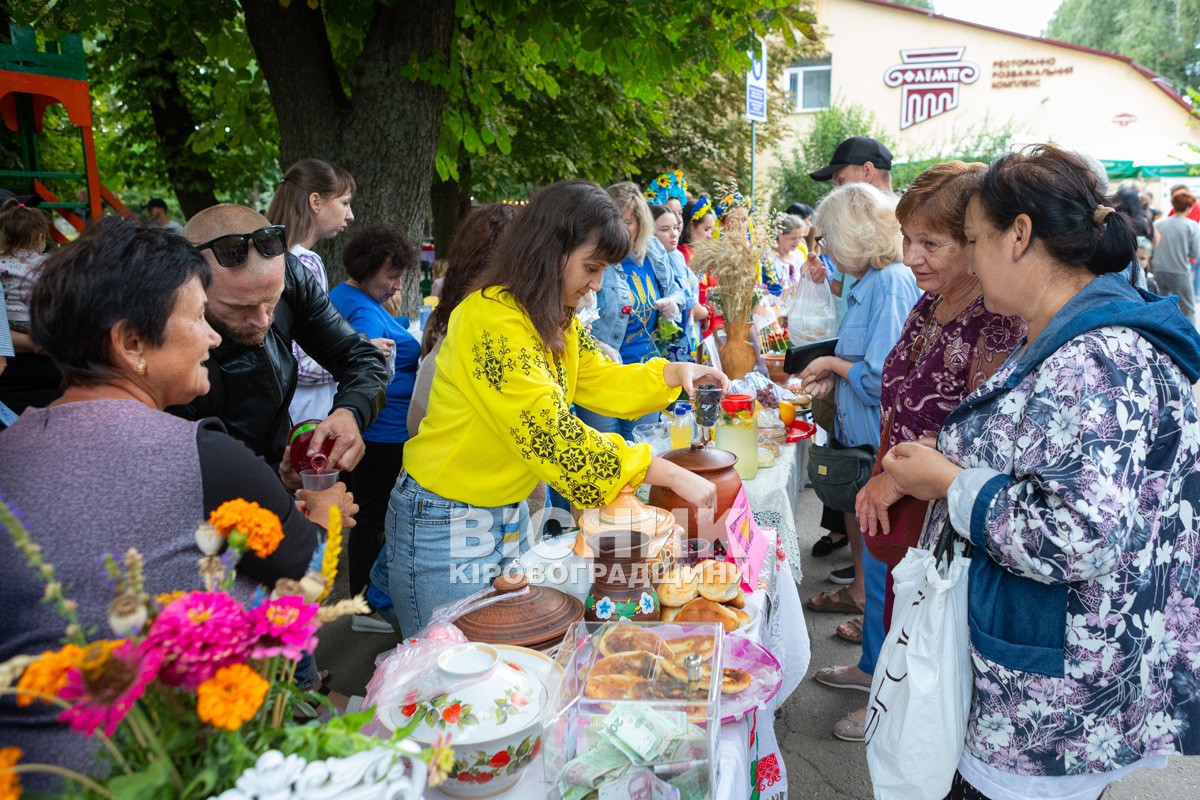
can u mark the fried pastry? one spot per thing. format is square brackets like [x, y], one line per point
[702, 610]
[720, 581]
[624, 638]
[679, 587]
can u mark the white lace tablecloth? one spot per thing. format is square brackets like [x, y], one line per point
[748, 754]
[774, 494]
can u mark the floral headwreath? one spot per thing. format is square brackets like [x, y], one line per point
[731, 201]
[666, 186]
[700, 209]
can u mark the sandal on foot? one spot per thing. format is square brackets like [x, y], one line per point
[851, 630]
[826, 545]
[834, 601]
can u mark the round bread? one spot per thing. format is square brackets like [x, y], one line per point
[735, 680]
[702, 610]
[743, 617]
[679, 587]
[739, 601]
[627, 637]
[637, 663]
[610, 687]
[669, 613]
[719, 580]
[700, 644]
[664, 688]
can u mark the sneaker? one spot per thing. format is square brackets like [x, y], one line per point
[843, 576]
[370, 623]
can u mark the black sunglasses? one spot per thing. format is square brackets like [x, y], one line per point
[232, 249]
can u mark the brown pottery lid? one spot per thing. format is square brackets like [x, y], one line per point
[538, 618]
[700, 459]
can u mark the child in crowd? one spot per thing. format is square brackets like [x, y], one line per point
[30, 378]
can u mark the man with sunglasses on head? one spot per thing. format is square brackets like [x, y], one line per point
[261, 299]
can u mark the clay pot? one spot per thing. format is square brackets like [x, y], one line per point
[538, 618]
[624, 583]
[714, 465]
[627, 513]
[737, 353]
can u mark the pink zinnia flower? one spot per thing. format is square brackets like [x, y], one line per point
[106, 684]
[284, 626]
[198, 634]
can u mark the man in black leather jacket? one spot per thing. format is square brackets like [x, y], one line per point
[259, 306]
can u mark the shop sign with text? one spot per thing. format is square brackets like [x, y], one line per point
[929, 79]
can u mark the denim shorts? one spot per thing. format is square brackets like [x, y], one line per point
[441, 550]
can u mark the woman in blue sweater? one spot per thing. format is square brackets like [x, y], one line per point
[376, 262]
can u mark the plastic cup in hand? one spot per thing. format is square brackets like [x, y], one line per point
[318, 480]
[655, 434]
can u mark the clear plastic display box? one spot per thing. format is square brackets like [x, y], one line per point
[637, 714]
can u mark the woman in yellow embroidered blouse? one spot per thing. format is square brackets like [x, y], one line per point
[514, 359]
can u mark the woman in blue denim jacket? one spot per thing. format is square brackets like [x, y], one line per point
[1075, 472]
[632, 295]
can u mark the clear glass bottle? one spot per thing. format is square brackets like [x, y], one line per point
[682, 427]
[737, 432]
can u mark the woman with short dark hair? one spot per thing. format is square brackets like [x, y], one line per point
[103, 468]
[515, 357]
[1075, 471]
[376, 261]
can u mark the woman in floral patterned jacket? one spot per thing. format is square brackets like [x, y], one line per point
[1073, 470]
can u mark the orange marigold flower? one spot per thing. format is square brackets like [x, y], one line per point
[259, 528]
[231, 696]
[10, 782]
[46, 676]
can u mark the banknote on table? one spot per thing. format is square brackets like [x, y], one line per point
[600, 761]
[640, 785]
[645, 730]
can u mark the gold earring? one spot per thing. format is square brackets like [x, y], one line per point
[141, 370]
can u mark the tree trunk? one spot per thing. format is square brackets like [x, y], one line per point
[190, 173]
[450, 202]
[386, 132]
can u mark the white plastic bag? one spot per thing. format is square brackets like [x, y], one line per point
[921, 691]
[813, 314]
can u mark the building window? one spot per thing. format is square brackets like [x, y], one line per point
[809, 85]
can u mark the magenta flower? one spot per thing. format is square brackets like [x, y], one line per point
[285, 626]
[198, 634]
[108, 681]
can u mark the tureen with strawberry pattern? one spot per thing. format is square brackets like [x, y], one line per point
[492, 712]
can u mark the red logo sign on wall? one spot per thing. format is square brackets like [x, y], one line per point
[929, 79]
[1125, 120]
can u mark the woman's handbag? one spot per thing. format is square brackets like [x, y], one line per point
[837, 473]
[906, 517]
[921, 692]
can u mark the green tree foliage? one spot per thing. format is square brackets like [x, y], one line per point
[1162, 35]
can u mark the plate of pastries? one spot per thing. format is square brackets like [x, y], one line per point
[711, 591]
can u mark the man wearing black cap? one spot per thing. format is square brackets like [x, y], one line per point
[859, 159]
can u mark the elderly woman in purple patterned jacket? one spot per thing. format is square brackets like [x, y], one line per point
[1074, 472]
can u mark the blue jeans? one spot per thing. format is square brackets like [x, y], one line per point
[613, 424]
[441, 550]
[875, 579]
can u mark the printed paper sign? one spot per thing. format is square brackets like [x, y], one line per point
[747, 544]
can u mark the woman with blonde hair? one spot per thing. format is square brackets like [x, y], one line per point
[863, 237]
[313, 203]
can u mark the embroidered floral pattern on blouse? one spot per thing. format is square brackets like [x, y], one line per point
[492, 361]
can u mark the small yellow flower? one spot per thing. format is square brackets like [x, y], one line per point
[663, 181]
[231, 696]
[46, 676]
[10, 782]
